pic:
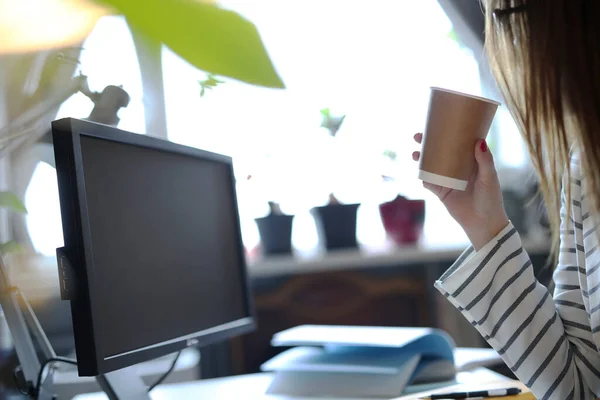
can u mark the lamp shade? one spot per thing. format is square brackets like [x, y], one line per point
[34, 25]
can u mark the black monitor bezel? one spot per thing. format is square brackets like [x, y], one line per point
[67, 135]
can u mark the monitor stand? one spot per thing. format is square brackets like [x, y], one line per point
[124, 384]
[22, 324]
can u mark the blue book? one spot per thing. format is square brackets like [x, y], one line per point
[355, 362]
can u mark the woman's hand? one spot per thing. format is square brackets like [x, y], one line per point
[479, 209]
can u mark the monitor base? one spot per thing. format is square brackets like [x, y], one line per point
[124, 384]
[23, 326]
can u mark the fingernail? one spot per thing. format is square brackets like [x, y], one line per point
[484, 146]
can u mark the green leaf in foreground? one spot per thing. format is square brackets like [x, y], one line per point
[390, 154]
[210, 82]
[11, 247]
[331, 122]
[11, 201]
[209, 37]
[453, 36]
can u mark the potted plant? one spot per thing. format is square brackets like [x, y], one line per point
[275, 230]
[402, 218]
[335, 222]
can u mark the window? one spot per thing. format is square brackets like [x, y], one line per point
[43, 221]
[108, 58]
[374, 62]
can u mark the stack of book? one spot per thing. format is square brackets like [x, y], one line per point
[355, 362]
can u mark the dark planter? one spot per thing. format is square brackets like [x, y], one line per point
[403, 219]
[336, 225]
[275, 233]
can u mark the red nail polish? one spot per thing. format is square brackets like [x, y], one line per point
[484, 146]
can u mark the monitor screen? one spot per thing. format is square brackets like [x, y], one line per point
[163, 247]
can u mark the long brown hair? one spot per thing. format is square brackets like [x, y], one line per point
[545, 55]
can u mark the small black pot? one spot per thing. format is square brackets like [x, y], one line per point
[336, 225]
[275, 233]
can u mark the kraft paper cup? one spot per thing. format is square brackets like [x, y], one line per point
[455, 122]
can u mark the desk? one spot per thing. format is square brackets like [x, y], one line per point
[254, 386]
[67, 383]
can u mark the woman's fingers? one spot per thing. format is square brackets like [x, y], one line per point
[418, 138]
[485, 164]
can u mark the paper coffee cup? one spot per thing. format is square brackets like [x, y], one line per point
[455, 122]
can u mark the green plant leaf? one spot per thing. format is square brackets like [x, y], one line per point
[391, 154]
[331, 122]
[209, 37]
[210, 82]
[453, 36]
[11, 247]
[11, 201]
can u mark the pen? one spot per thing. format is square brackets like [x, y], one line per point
[479, 393]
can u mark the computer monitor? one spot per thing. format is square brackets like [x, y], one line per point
[153, 259]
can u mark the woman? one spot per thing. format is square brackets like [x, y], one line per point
[546, 59]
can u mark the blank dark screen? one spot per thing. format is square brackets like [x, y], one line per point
[165, 243]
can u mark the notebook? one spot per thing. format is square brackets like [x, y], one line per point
[356, 361]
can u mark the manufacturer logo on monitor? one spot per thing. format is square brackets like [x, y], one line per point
[192, 342]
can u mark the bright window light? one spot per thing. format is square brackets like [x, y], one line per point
[108, 58]
[43, 210]
[373, 61]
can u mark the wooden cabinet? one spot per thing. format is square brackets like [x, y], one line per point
[373, 297]
[382, 291]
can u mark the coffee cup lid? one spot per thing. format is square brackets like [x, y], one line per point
[466, 95]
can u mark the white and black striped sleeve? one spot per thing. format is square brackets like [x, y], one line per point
[546, 343]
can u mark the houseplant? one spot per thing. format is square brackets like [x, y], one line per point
[275, 231]
[213, 39]
[216, 40]
[402, 218]
[335, 222]
[275, 228]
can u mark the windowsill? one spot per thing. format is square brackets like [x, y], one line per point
[41, 271]
[364, 257]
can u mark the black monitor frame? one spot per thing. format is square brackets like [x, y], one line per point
[75, 258]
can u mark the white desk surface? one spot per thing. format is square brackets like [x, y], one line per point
[254, 386]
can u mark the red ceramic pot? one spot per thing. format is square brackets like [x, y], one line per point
[403, 219]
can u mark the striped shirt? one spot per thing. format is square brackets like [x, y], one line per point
[551, 343]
